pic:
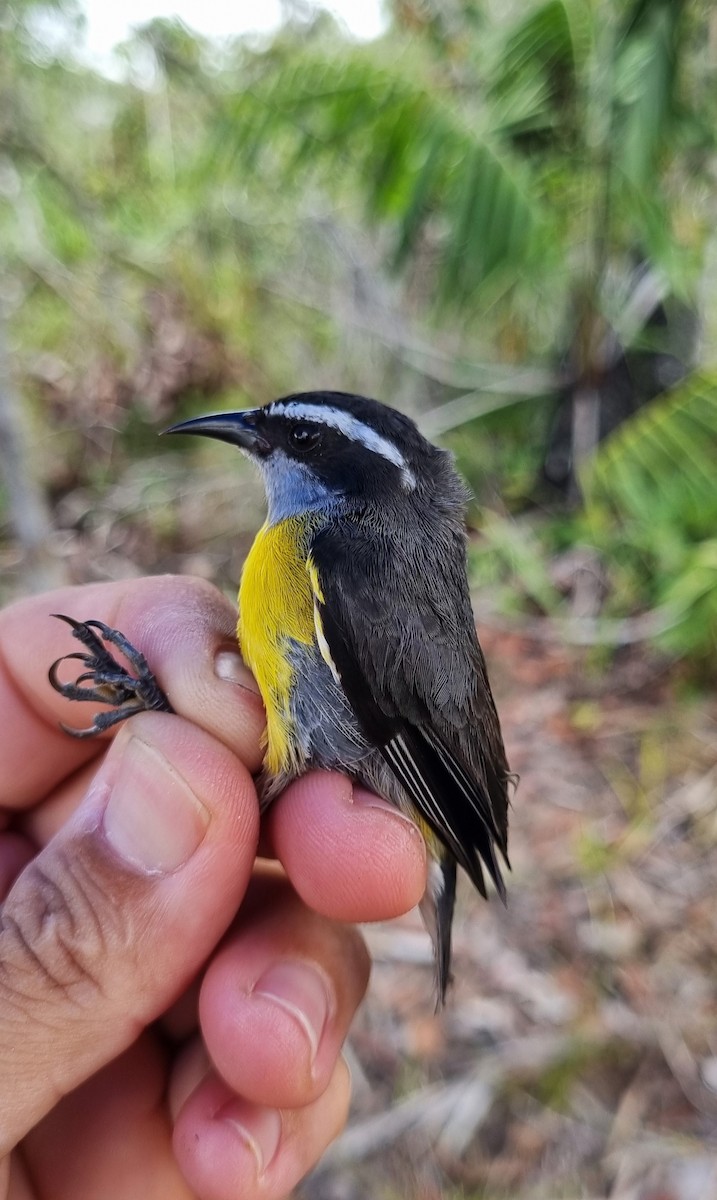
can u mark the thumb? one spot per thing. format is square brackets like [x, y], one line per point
[110, 922]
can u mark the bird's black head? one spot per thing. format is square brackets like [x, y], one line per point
[330, 449]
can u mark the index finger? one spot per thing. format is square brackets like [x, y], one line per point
[185, 629]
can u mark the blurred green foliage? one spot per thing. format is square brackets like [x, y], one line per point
[504, 207]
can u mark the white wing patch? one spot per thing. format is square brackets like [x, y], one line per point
[318, 624]
[324, 645]
[351, 428]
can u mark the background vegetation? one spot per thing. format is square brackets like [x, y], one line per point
[497, 216]
[500, 217]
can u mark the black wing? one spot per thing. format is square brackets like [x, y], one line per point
[397, 619]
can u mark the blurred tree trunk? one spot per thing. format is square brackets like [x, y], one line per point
[28, 513]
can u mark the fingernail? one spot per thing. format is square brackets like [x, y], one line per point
[258, 1128]
[304, 992]
[153, 819]
[229, 666]
[365, 799]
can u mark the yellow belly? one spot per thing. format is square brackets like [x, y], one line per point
[276, 604]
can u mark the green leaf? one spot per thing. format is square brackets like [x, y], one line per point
[651, 58]
[663, 460]
[416, 156]
[536, 70]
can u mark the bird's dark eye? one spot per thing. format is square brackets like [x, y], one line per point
[304, 437]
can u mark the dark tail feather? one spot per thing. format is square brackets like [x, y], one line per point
[445, 904]
[437, 911]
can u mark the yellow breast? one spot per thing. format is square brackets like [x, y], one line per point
[276, 604]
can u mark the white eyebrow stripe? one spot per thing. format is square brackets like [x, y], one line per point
[351, 427]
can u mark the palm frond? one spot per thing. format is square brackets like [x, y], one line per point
[692, 599]
[426, 169]
[660, 465]
[647, 81]
[536, 79]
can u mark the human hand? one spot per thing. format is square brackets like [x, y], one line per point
[171, 1012]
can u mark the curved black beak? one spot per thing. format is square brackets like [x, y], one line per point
[237, 428]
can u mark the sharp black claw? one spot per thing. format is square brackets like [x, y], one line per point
[104, 680]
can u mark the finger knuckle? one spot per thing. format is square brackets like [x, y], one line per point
[55, 932]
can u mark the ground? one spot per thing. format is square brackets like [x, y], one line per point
[576, 1058]
[577, 1054]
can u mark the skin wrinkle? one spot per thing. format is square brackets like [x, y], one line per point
[13, 930]
[59, 924]
[129, 885]
[53, 908]
[90, 885]
[68, 944]
[82, 987]
[52, 961]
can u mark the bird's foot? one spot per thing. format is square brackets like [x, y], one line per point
[104, 680]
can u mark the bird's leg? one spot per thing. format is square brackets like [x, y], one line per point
[106, 681]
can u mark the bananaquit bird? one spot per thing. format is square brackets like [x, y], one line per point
[355, 618]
